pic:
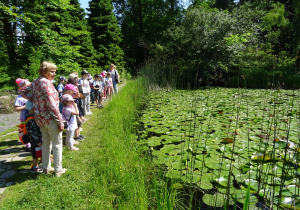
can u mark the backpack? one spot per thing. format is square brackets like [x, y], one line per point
[23, 135]
[116, 76]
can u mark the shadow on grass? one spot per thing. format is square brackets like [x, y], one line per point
[10, 142]
[23, 172]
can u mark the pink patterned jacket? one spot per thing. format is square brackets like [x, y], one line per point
[45, 101]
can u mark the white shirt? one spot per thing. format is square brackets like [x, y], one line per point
[72, 124]
[86, 87]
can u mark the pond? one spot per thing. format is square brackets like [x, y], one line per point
[222, 140]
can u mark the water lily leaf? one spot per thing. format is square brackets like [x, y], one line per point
[173, 174]
[253, 183]
[225, 190]
[191, 178]
[294, 189]
[213, 165]
[268, 193]
[178, 165]
[240, 196]
[261, 157]
[222, 181]
[227, 140]
[273, 180]
[280, 144]
[216, 200]
[289, 202]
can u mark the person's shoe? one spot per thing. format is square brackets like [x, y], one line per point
[75, 149]
[49, 170]
[81, 136]
[35, 169]
[90, 113]
[61, 172]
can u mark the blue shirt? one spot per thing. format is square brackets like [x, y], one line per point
[60, 88]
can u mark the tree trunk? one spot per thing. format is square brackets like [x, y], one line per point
[297, 63]
[9, 38]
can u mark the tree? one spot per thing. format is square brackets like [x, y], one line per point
[143, 23]
[48, 35]
[106, 34]
[33, 31]
[296, 24]
[225, 4]
[8, 37]
[80, 36]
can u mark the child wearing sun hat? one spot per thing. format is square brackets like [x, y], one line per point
[69, 113]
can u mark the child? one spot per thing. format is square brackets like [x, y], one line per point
[109, 85]
[35, 136]
[60, 88]
[102, 93]
[86, 92]
[90, 79]
[97, 85]
[73, 91]
[20, 103]
[103, 75]
[69, 111]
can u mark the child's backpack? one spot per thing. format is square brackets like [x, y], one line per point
[33, 130]
[23, 135]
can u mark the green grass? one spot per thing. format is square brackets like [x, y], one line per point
[106, 173]
[8, 131]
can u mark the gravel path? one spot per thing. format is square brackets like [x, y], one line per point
[8, 121]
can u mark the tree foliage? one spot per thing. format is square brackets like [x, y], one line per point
[143, 23]
[253, 40]
[54, 30]
[106, 34]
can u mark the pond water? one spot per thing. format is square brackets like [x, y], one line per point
[222, 140]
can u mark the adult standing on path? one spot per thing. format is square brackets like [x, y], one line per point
[47, 115]
[115, 77]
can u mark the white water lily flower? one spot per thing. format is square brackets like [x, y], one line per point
[221, 179]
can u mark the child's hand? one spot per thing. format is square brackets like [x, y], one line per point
[74, 104]
[40, 144]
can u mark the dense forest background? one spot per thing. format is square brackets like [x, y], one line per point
[249, 43]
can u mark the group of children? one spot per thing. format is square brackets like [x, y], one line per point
[75, 99]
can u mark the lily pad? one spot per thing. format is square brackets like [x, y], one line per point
[216, 200]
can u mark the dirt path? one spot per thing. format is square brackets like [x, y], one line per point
[8, 121]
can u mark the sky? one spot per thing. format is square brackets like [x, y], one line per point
[84, 3]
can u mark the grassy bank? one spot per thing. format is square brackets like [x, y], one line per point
[106, 173]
